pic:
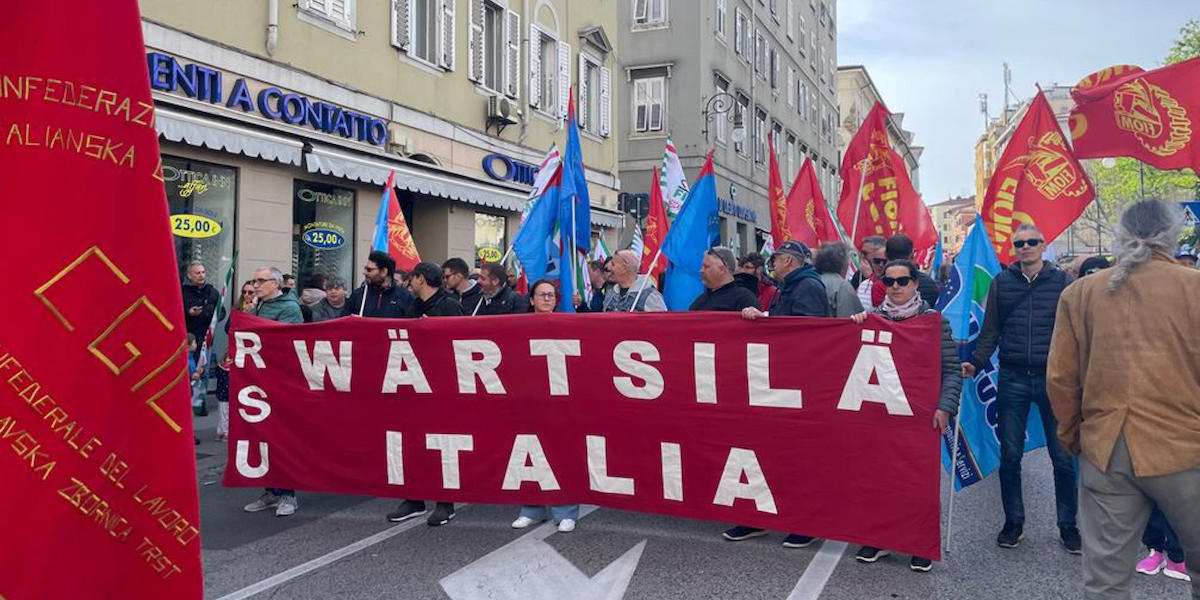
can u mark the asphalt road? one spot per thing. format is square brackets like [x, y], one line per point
[342, 547]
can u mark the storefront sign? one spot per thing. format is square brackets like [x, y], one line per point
[745, 213]
[324, 236]
[206, 85]
[489, 254]
[194, 226]
[511, 169]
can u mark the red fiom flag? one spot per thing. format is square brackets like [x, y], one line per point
[780, 227]
[656, 232]
[98, 473]
[876, 187]
[1038, 180]
[807, 214]
[1148, 115]
[400, 243]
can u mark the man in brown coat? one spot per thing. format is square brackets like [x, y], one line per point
[1124, 381]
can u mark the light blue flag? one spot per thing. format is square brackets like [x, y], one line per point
[688, 238]
[534, 243]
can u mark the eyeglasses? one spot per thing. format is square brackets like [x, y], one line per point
[1023, 243]
[892, 281]
[260, 281]
[545, 295]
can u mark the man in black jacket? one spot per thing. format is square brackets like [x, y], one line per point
[1019, 318]
[200, 300]
[498, 297]
[721, 292]
[430, 300]
[379, 296]
[802, 293]
[456, 279]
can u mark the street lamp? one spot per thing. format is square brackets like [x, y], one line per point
[720, 104]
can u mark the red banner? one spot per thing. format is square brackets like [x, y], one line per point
[813, 426]
[1148, 115]
[96, 457]
[656, 231]
[877, 190]
[1038, 180]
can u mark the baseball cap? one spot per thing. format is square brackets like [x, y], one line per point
[797, 249]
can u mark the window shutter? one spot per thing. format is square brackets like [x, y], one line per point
[346, 13]
[564, 78]
[641, 116]
[475, 42]
[657, 104]
[447, 55]
[401, 26]
[512, 58]
[535, 67]
[791, 87]
[584, 99]
[605, 101]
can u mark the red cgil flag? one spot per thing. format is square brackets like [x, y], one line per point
[99, 478]
[1038, 180]
[391, 230]
[876, 188]
[656, 232]
[1148, 115]
[807, 212]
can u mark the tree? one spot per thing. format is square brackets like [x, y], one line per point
[1188, 44]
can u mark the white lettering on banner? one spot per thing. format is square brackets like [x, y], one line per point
[253, 397]
[484, 368]
[889, 392]
[323, 361]
[241, 350]
[528, 463]
[741, 464]
[450, 445]
[758, 373]
[597, 462]
[403, 368]
[704, 355]
[672, 471]
[243, 460]
[395, 457]
[556, 353]
[623, 359]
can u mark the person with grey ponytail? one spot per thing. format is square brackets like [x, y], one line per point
[1125, 387]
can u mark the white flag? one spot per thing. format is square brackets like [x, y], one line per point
[674, 182]
[638, 242]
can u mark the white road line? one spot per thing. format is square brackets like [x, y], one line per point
[813, 581]
[321, 561]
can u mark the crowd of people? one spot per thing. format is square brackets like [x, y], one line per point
[1104, 353]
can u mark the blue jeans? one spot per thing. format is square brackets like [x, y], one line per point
[538, 513]
[1018, 390]
[281, 492]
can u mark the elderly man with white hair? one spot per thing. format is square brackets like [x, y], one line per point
[628, 293]
[1124, 383]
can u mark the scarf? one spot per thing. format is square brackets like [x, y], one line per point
[898, 313]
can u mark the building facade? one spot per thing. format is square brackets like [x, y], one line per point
[953, 218]
[692, 69]
[857, 94]
[280, 122]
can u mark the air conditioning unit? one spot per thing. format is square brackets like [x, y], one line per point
[501, 113]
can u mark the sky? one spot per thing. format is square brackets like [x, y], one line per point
[930, 59]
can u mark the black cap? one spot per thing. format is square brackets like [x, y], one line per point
[1093, 264]
[797, 249]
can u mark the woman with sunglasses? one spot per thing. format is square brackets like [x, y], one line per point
[543, 299]
[901, 302]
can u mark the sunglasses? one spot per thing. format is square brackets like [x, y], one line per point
[892, 281]
[1023, 243]
[879, 261]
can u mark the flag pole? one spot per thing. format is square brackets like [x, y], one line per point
[862, 179]
[574, 251]
[643, 278]
[953, 478]
[362, 305]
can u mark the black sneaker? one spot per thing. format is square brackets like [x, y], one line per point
[741, 532]
[407, 510]
[441, 515]
[795, 540]
[869, 554]
[922, 565]
[1010, 536]
[1070, 540]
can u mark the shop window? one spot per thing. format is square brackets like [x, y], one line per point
[201, 197]
[491, 238]
[322, 231]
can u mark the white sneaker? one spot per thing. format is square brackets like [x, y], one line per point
[522, 522]
[287, 506]
[566, 526]
[264, 502]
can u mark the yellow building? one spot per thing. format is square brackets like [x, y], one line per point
[281, 121]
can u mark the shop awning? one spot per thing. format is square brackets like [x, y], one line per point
[202, 132]
[607, 218]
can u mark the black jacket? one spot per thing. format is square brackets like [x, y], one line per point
[206, 297]
[381, 303]
[928, 288]
[748, 281]
[732, 296]
[1019, 317]
[440, 304]
[506, 302]
[469, 298]
[802, 295]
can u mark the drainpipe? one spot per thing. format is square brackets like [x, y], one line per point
[529, 83]
[272, 26]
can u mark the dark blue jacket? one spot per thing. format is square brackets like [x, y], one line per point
[802, 295]
[381, 303]
[1019, 317]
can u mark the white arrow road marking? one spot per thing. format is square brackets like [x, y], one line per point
[813, 581]
[528, 568]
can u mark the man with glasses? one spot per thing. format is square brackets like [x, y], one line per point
[275, 305]
[873, 257]
[456, 279]
[1019, 319]
[379, 296]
